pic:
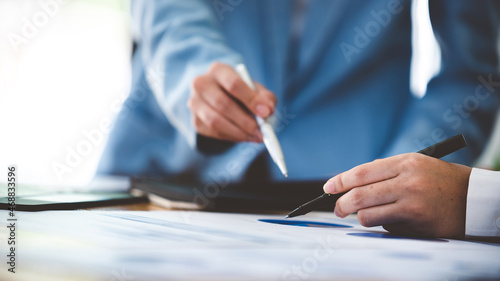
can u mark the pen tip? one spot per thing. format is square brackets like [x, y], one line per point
[286, 175]
[287, 217]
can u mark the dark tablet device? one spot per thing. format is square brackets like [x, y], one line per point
[251, 197]
[70, 200]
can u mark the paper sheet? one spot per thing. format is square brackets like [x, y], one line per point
[177, 245]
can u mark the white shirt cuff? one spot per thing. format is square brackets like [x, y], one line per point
[483, 204]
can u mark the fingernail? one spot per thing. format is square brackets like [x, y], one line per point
[329, 187]
[336, 213]
[262, 110]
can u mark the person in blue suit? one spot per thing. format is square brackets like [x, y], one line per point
[332, 76]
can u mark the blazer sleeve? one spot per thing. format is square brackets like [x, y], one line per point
[464, 96]
[178, 40]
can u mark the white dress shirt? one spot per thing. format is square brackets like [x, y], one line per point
[483, 204]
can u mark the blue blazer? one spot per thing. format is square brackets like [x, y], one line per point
[342, 85]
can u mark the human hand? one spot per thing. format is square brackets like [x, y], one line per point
[408, 194]
[222, 105]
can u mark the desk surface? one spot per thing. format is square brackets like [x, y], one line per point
[147, 242]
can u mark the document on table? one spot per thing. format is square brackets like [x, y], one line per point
[177, 245]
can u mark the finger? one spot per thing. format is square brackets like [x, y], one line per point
[204, 129]
[367, 196]
[382, 215]
[261, 90]
[227, 107]
[231, 82]
[365, 174]
[210, 123]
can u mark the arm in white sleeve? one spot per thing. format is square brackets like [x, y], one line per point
[483, 204]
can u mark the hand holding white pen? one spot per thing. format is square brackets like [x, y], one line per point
[223, 105]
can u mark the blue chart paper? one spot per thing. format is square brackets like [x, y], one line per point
[389, 236]
[183, 245]
[305, 223]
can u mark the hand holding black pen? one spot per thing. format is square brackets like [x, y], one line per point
[408, 194]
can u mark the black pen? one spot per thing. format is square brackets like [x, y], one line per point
[438, 150]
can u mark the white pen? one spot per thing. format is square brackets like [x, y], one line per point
[270, 140]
